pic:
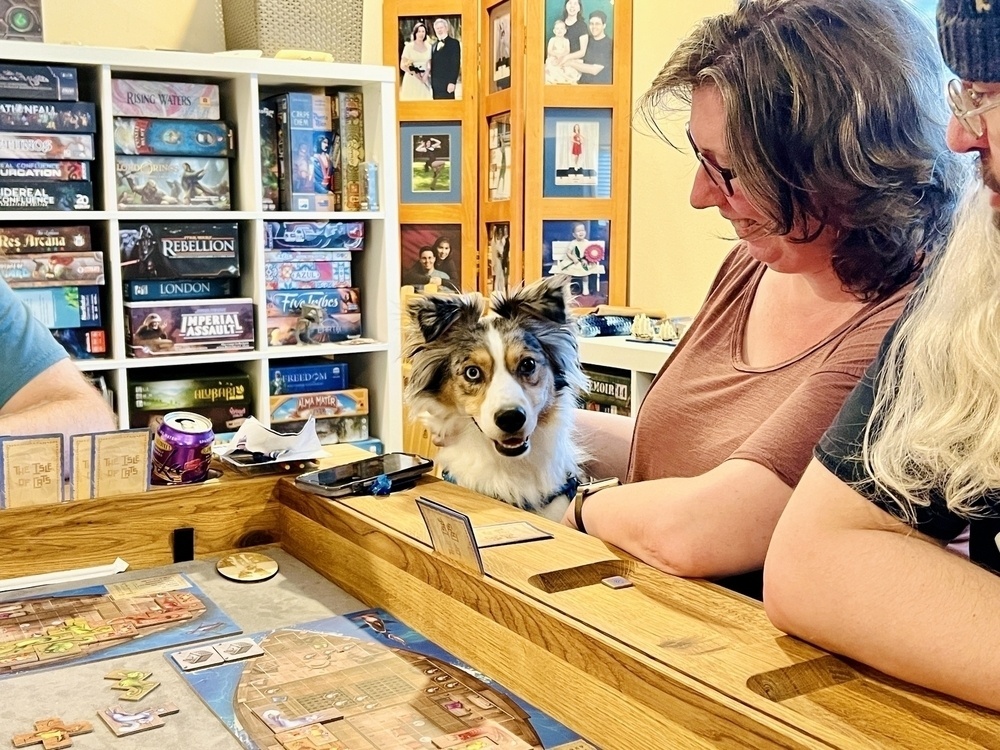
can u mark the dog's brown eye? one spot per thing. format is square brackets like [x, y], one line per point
[473, 374]
[526, 367]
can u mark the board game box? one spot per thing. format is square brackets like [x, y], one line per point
[286, 331]
[225, 418]
[63, 306]
[173, 137]
[293, 408]
[350, 110]
[188, 392]
[269, 157]
[154, 289]
[156, 250]
[173, 100]
[306, 256]
[47, 196]
[52, 269]
[330, 430]
[314, 235]
[308, 152]
[331, 301]
[47, 146]
[17, 170]
[172, 182]
[59, 117]
[168, 328]
[44, 239]
[308, 275]
[82, 343]
[38, 82]
[307, 378]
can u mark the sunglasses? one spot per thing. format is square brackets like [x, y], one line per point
[968, 106]
[722, 178]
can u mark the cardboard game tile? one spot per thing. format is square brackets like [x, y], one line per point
[312, 737]
[136, 685]
[241, 648]
[488, 730]
[197, 658]
[126, 720]
[52, 734]
[617, 582]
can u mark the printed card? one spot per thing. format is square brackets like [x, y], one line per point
[197, 658]
[451, 534]
[81, 484]
[32, 471]
[508, 533]
[121, 462]
[147, 586]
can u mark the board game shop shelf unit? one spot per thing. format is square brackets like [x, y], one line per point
[243, 85]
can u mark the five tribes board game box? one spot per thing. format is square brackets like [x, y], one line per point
[172, 182]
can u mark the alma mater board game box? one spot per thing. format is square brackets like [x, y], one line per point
[172, 327]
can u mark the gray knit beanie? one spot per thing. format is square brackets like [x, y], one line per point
[969, 32]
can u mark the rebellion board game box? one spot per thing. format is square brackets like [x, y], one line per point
[330, 430]
[157, 289]
[52, 269]
[58, 117]
[63, 306]
[173, 100]
[157, 250]
[309, 275]
[176, 327]
[38, 82]
[44, 239]
[19, 170]
[314, 235]
[307, 378]
[47, 196]
[144, 136]
[172, 182]
[183, 393]
[46, 146]
[292, 408]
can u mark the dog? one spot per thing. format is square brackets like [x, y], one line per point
[498, 392]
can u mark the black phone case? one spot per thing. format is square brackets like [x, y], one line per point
[399, 479]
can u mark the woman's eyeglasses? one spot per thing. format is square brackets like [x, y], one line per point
[968, 106]
[722, 178]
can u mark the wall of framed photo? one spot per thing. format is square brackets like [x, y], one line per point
[434, 47]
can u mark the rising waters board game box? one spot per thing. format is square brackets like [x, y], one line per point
[173, 100]
[172, 182]
[173, 327]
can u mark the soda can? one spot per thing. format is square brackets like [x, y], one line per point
[182, 449]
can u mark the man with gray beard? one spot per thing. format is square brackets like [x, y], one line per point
[858, 563]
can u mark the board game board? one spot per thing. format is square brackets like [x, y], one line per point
[106, 621]
[364, 681]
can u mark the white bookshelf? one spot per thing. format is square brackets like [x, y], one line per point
[642, 361]
[243, 83]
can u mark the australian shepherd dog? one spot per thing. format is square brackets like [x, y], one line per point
[498, 392]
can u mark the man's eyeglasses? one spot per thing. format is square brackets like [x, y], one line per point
[722, 178]
[968, 106]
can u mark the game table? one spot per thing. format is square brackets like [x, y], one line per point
[666, 663]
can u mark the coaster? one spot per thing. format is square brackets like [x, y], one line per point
[247, 567]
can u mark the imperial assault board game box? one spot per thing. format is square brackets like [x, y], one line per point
[38, 82]
[44, 239]
[173, 327]
[59, 117]
[172, 182]
[156, 250]
[144, 136]
[52, 269]
[47, 196]
[46, 146]
[174, 100]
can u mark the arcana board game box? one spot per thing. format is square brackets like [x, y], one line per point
[44, 238]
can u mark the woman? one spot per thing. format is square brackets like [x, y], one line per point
[827, 153]
[444, 262]
[415, 63]
[576, 29]
[576, 148]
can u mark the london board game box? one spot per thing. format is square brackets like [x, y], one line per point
[310, 377]
[314, 235]
[156, 250]
[20, 170]
[44, 239]
[47, 196]
[59, 117]
[173, 327]
[295, 407]
[172, 182]
[144, 136]
[52, 269]
[156, 289]
[38, 82]
[47, 146]
[174, 100]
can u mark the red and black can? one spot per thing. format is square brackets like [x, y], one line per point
[182, 449]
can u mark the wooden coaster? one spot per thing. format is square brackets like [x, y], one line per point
[247, 567]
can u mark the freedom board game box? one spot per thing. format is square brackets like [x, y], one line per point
[44, 239]
[47, 146]
[172, 182]
[38, 82]
[157, 289]
[157, 250]
[176, 327]
[47, 196]
[311, 377]
[63, 306]
[52, 269]
[314, 235]
[308, 275]
[58, 117]
[295, 407]
[173, 100]
[144, 136]
[13, 171]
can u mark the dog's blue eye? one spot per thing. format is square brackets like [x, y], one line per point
[473, 374]
[527, 366]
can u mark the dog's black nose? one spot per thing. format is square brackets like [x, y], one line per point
[510, 420]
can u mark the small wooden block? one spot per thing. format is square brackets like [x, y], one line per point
[136, 685]
[52, 734]
[197, 658]
[124, 721]
[617, 582]
[240, 648]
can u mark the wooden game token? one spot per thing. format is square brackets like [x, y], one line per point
[136, 685]
[247, 567]
[52, 734]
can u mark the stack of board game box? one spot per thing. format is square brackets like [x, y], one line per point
[320, 389]
[307, 272]
[46, 140]
[179, 281]
[319, 139]
[609, 390]
[56, 272]
[224, 397]
[171, 149]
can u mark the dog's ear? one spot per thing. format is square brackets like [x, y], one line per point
[434, 314]
[545, 299]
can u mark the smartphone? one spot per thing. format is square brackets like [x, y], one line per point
[357, 478]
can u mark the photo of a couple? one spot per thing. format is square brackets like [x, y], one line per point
[430, 59]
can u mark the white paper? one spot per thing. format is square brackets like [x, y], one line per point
[256, 438]
[63, 576]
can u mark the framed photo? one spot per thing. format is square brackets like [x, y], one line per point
[579, 249]
[499, 157]
[431, 251]
[430, 162]
[500, 44]
[430, 58]
[579, 45]
[498, 259]
[577, 153]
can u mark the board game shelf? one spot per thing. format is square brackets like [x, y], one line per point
[243, 84]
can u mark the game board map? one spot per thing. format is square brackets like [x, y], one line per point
[106, 621]
[362, 681]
